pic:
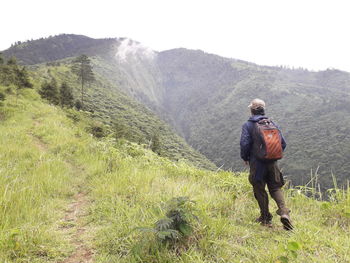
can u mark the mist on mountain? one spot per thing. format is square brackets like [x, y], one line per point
[204, 97]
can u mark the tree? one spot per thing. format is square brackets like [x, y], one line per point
[12, 61]
[66, 96]
[13, 74]
[83, 69]
[156, 145]
[2, 96]
[49, 91]
[22, 78]
[97, 129]
[120, 130]
[77, 105]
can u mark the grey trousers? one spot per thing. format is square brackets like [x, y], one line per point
[272, 177]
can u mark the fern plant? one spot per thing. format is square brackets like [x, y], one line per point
[178, 223]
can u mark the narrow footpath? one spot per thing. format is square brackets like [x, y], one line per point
[74, 224]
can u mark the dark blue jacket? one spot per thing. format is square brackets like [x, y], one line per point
[247, 143]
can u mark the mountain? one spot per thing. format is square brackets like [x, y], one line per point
[208, 98]
[69, 194]
[58, 47]
[104, 98]
[204, 97]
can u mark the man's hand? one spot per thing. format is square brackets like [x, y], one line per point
[246, 162]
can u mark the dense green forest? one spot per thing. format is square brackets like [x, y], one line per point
[204, 97]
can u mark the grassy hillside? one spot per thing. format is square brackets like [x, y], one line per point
[68, 197]
[59, 47]
[37, 178]
[204, 97]
[109, 105]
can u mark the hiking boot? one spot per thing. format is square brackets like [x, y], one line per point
[287, 223]
[265, 221]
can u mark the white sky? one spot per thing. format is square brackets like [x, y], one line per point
[309, 33]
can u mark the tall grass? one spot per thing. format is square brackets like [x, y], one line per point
[133, 195]
[45, 158]
[36, 179]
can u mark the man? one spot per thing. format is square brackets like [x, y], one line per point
[263, 172]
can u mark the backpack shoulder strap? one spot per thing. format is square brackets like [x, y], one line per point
[265, 121]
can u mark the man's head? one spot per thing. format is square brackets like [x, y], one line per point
[257, 107]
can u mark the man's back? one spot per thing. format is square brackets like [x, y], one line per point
[248, 140]
[263, 172]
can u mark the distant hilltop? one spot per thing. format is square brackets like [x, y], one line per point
[204, 98]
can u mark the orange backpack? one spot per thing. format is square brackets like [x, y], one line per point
[267, 144]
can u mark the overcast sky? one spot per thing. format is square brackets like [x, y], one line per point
[310, 33]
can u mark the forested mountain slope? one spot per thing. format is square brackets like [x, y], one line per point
[125, 116]
[59, 47]
[209, 98]
[205, 97]
[104, 98]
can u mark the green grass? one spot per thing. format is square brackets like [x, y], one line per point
[111, 106]
[46, 157]
[35, 180]
[133, 196]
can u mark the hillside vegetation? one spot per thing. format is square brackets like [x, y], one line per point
[208, 97]
[56, 48]
[124, 116]
[204, 97]
[51, 168]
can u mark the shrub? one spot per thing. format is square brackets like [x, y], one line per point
[49, 91]
[178, 225]
[78, 105]
[2, 96]
[73, 115]
[97, 129]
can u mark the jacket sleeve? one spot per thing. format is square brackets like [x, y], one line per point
[283, 141]
[246, 142]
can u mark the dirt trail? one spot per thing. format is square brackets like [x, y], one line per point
[73, 224]
[75, 227]
[37, 140]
